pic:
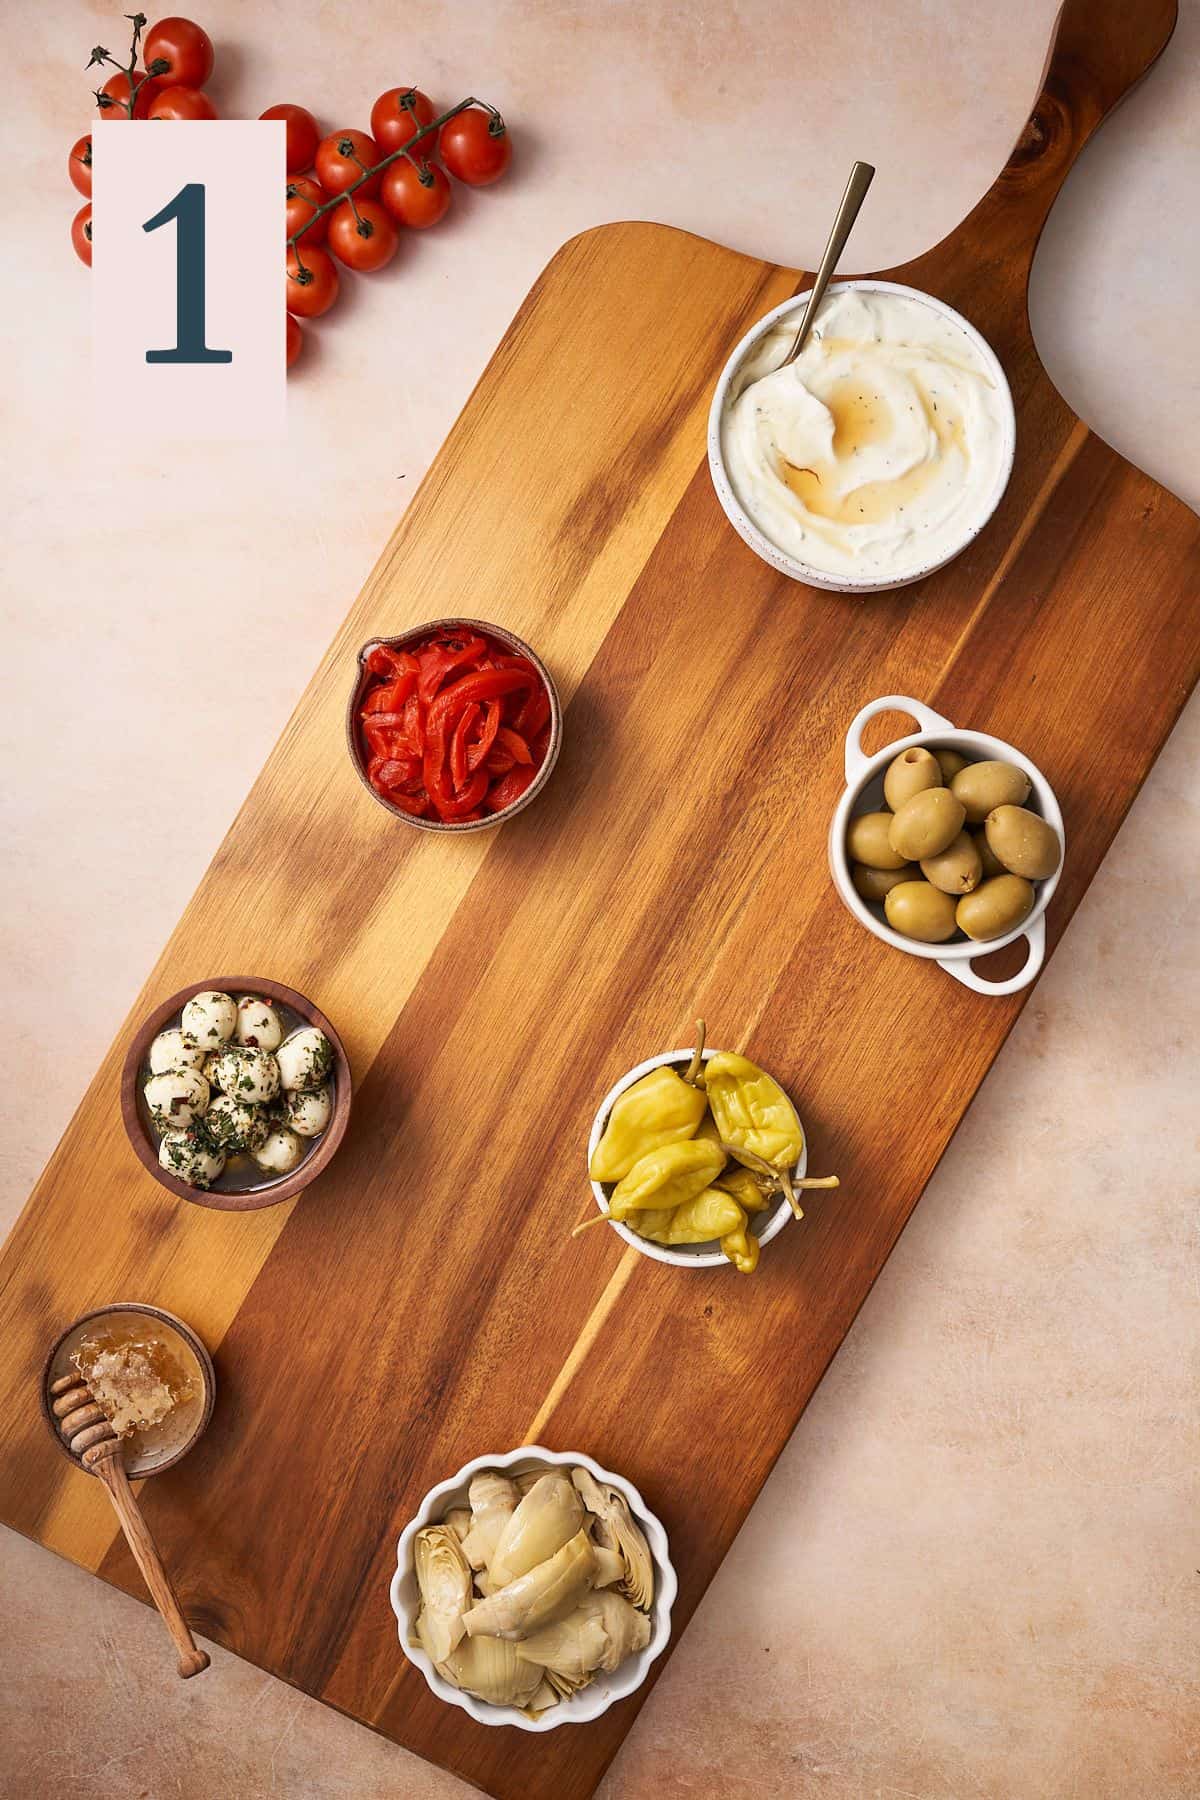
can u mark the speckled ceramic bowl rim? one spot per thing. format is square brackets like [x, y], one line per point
[519, 648]
[741, 521]
[198, 1349]
[691, 1256]
[273, 1192]
[978, 746]
[605, 1690]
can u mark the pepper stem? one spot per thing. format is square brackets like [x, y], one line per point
[586, 1224]
[692, 1073]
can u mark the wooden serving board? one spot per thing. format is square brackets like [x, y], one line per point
[422, 1302]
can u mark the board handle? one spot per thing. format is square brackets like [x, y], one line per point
[1035, 939]
[1099, 50]
[856, 757]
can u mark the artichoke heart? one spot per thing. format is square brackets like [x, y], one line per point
[548, 1591]
[493, 1501]
[601, 1632]
[548, 1515]
[444, 1578]
[616, 1529]
[490, 1668]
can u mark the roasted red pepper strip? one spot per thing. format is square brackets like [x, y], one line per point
[463, 727]
[491, 724]
[484, 684]
[384, 660]
[390, 697]
[459, 804]
[510, 787]
[443, 656]
[515, 744]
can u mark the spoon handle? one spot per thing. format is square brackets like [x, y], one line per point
[861, 176]
[105, 1461]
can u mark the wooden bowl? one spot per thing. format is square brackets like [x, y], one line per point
[192, 1417]
[364, 677]
[145, 1140]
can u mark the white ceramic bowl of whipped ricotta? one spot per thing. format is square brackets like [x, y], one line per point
[878, 454]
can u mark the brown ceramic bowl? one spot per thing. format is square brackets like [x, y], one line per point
[180, 1431]
[519, 648]
[267, 1190]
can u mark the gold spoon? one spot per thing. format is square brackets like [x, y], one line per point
[861, 176]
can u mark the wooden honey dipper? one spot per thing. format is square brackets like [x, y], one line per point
[86, 1430]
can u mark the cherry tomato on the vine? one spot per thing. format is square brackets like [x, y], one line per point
[475, 147]
[416, 198]
[313, 288]
[185, 47]
[79, 165]
[302, 134]
[81, 234]
[304, 195]
[117, 90]
[397, 114]
[295, 339]
[365, 241]
[341, 158]
[182, 103]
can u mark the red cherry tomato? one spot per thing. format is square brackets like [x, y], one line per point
[186, 49]
[312, 290]
[295, 339]
[365, 242]
[79, 165]
[336, 164]
[81, 234]
[304, 195]
[117, 90]
[181, 103]
[473, 149]
[397, 114]
[302, 134]
[413, 198]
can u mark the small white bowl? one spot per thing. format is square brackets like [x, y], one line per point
[764, 1225]
[744, 525]
[604, 1689]
[864, 779]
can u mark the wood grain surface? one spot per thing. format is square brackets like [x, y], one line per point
[422, 1302]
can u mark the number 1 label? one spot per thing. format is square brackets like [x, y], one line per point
[187, 210]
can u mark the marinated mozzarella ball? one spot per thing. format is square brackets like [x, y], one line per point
[210, 1069]
[279, 1152]
[176, 1098]
[233, 1125]
[309, 1113]
[210, 1018]
[251, 1076]
[175, 1049]
[258, 1024]
[305, 1059]
[184, 1153]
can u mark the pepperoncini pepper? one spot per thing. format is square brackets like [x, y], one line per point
[752, 1111]
[708, 1215]
[741, 1247]
[661, 1108]
[667, 1177]
[745, 1189]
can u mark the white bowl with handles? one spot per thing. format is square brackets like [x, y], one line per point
[765, 1225]
[864, 793]
[782, 560]
[604, 1689]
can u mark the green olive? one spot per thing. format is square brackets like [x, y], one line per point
[1023, 842]
[991, 863]
[983, 785]
[957, 870]
[867, 841]
[926, 825]
[949, 762]
[995, 907]
[876, 884]
[911, 773]
[916, 909]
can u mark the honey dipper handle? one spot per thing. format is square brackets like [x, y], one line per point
[105, 1461]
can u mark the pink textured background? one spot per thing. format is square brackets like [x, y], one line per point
[973, 1572]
